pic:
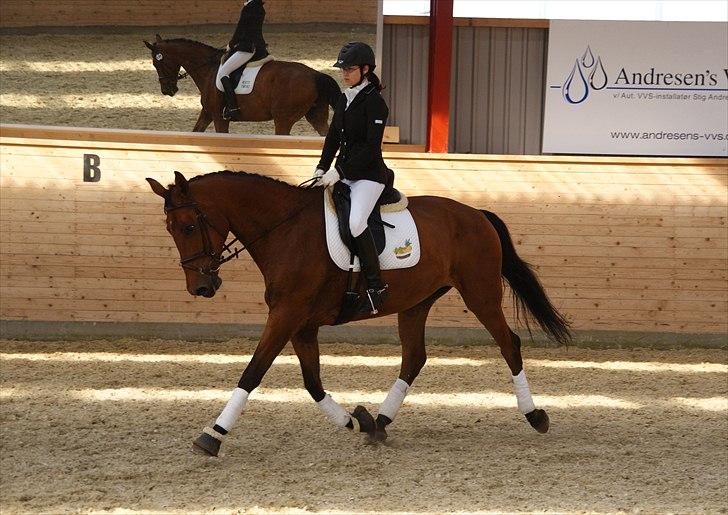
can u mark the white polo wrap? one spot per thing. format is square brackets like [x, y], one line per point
[395, 397]
[523, 393]
[333, 411]
[233, 409]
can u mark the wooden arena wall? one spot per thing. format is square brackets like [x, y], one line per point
[621, 244]
[76, 13]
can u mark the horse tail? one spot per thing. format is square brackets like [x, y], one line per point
[528, 294]
[328, 89]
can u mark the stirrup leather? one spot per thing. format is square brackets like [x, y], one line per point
[375, 298]
[230, 114]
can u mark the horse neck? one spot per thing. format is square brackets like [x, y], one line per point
[198, 62]
[260, 211]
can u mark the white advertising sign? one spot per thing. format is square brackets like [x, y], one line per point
[637, 88]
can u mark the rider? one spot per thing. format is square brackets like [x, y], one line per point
[246, 44]
[356, 131]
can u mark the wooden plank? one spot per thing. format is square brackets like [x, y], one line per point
[618, 243]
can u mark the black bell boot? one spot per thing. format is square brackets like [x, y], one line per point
[230, 111]
[369, 259]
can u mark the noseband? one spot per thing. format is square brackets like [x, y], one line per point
[215, 261]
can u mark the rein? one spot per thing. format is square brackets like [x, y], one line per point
[180, 76]
[216, 261]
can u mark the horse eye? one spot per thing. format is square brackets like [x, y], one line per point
[189, 230]
[158, 57]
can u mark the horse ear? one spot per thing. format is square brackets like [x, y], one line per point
[149, 45]
[181, 182]
[159, 38]
[157, 188]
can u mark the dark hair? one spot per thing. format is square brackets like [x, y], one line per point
[374, 79]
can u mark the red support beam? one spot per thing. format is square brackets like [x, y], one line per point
[440, 62]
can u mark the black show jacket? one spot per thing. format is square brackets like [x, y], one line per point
[357, 133]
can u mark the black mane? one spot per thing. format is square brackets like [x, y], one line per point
[200, 44]
[241, 175]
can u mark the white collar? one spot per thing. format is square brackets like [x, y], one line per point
[354, 91]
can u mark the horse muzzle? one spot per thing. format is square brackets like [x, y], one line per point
[208, 290]
[170, 91]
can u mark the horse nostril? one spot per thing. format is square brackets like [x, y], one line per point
[203, 291]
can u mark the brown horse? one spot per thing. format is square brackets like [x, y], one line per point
[461, 247]
[284, 91]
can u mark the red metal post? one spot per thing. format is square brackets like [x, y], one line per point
[440, 62]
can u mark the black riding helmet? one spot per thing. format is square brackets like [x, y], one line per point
[355, 53]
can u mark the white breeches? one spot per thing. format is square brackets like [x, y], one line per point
[364, 196]
[234, 62]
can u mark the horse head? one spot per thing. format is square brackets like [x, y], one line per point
[167, 65]
[199, 232]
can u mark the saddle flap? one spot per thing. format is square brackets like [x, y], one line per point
[244, 77]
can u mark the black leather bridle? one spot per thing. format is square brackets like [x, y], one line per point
[215, 260]
[186, 74]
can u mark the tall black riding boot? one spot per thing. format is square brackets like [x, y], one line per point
[376, 291]
[230, 111]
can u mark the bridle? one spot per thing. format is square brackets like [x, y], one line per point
[186, 74]
[204, 224]
[215, 260]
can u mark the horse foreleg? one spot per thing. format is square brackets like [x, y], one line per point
[276, 334]
[203, 121]
[221, 125]
[305, 344]
[412, 336]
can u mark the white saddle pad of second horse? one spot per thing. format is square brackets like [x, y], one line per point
[247, 79]
[402, 248]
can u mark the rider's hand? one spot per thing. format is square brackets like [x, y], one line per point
[330, 178]
[319, 172]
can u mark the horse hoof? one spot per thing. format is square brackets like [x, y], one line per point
[365, 421]
[380, 430]
[539, 420]
[206, 445]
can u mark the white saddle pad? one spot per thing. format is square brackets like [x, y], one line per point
[247, 79]
[402, 249]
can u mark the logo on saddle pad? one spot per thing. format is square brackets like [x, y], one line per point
[404, 251]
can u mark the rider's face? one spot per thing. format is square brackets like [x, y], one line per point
[352, 74]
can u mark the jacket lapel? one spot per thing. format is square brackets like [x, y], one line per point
[360, 97]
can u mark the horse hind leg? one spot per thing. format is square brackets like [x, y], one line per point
[318, 117]
[489, 311]
[283, 124]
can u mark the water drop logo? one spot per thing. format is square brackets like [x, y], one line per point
[586, 75]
